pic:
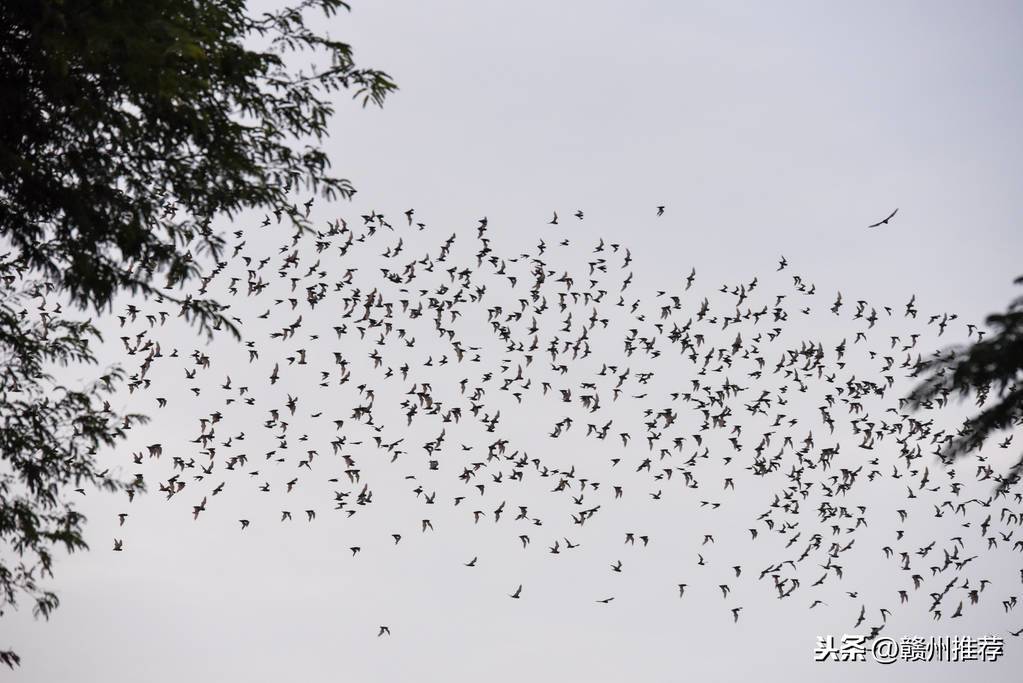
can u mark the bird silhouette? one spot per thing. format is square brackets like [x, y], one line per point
[378, 353]
[884, 221]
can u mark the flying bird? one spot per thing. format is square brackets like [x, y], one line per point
[885, 220]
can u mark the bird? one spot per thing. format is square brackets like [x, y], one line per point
[885, 220]
[517, 593]
[384, 630]
[667, 388]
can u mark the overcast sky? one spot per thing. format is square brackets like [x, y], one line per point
[764, 131]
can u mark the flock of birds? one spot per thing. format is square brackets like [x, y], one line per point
[370, 345]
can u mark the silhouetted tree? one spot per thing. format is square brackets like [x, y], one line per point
[991, 370]
[49, 435]
[126, 126]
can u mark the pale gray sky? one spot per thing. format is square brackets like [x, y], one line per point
[764, 130]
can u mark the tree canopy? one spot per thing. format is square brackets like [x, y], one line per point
[989, 369]
[126, 127]
[50, 433]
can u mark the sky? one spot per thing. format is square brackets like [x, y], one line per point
[764, 131]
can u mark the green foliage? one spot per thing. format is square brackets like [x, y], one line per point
[126, 126]
[49, 436]
[990, 370]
